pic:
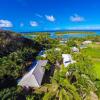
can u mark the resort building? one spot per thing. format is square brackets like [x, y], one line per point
[75, 49]
[35, 76]
[87, 42]
[67, 59]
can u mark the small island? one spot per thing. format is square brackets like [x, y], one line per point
[74, 32]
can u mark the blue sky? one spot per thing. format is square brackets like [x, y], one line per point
[42, 15]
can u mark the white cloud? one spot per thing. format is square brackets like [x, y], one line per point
[77, 18]
[38, 15]
[33, 23]
[5, 23]
[50, 18]
[21, 24]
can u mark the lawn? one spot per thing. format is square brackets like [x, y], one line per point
[93, 51]
[97, 68]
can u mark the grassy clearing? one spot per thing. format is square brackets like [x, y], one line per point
[93, 51]
[97, 69]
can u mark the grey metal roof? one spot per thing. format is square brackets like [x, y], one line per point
[35, 76]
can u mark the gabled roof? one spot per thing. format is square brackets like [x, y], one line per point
[35, 76]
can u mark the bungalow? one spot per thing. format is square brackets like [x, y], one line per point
[35, 76]
[75, 49]
[87, 42]
[67, 59]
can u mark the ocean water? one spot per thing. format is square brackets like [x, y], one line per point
[65, 36]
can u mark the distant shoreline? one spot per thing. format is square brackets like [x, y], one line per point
[60, 31]
[74, 32]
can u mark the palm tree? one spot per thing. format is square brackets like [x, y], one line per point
[60, 88]
[81, 74]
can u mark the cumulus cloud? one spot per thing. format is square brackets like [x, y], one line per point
[21, 24]
[33, 23]
[77, 18]
[38, 15]
[50, 18]
[5, 23]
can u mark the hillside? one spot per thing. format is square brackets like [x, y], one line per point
[10, 42]
[16, 55]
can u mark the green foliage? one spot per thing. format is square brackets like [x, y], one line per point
[93, 51]
[47, 67]
[71, 43]
[14, 63]
[11, 93]
[7, 94]
[82, 75]
[45, 41]
[65, 49]
[93, 38]
[53, 56]
[60, 88]
[30, 97]
[97, 83]
[72, 83]
[74, 32]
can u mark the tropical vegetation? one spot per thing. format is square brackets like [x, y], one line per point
[78, 81]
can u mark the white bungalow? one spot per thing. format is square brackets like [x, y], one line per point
[67, 59]
[35, 76]
[87, 42]
[75, 49]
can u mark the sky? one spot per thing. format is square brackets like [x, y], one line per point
[43, 15]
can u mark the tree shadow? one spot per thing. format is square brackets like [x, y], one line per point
[7, 82]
